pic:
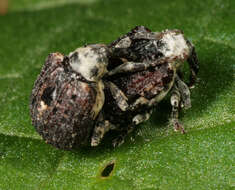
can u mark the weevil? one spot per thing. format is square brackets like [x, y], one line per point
[68, 96]
[144, 67]
[78, 98]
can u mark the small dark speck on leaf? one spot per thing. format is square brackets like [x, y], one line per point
[107, 169]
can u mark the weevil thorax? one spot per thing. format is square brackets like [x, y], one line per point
[90, 61]
[174, 46]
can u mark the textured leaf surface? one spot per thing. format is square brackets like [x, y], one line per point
[154, 156]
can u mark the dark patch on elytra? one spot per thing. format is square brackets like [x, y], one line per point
[64, 116]
[86, 54]
[74, 58]
[65, 64]
[74, 97]
[94, 71]
[47, 95]
[54, 110]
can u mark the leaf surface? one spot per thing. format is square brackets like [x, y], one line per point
[154, 156]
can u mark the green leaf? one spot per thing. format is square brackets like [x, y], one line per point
[154, 156]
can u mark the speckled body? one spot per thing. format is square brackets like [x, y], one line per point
[147, 83]
[162, 53]
[155, 48]
[150, 83]
[96, 88]
[62, 104]
[141, 44]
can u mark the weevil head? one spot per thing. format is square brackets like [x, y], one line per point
[174, 46]
[177, 49]
[90, 61]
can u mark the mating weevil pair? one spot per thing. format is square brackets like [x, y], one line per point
[78, 98]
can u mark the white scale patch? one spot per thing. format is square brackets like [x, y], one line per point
[42, 107]
[54, 95]
[87, 61]
[175, 45]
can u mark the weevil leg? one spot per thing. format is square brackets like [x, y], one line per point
[194, 66]
[149, 103]
[139, 118]
[121, 99]
[121, 138]
[139, 102]
[129, 67]
[154, 101]
[102, 127]
[175, 102]
[136, 120]
[185, 100]
[118, 95]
